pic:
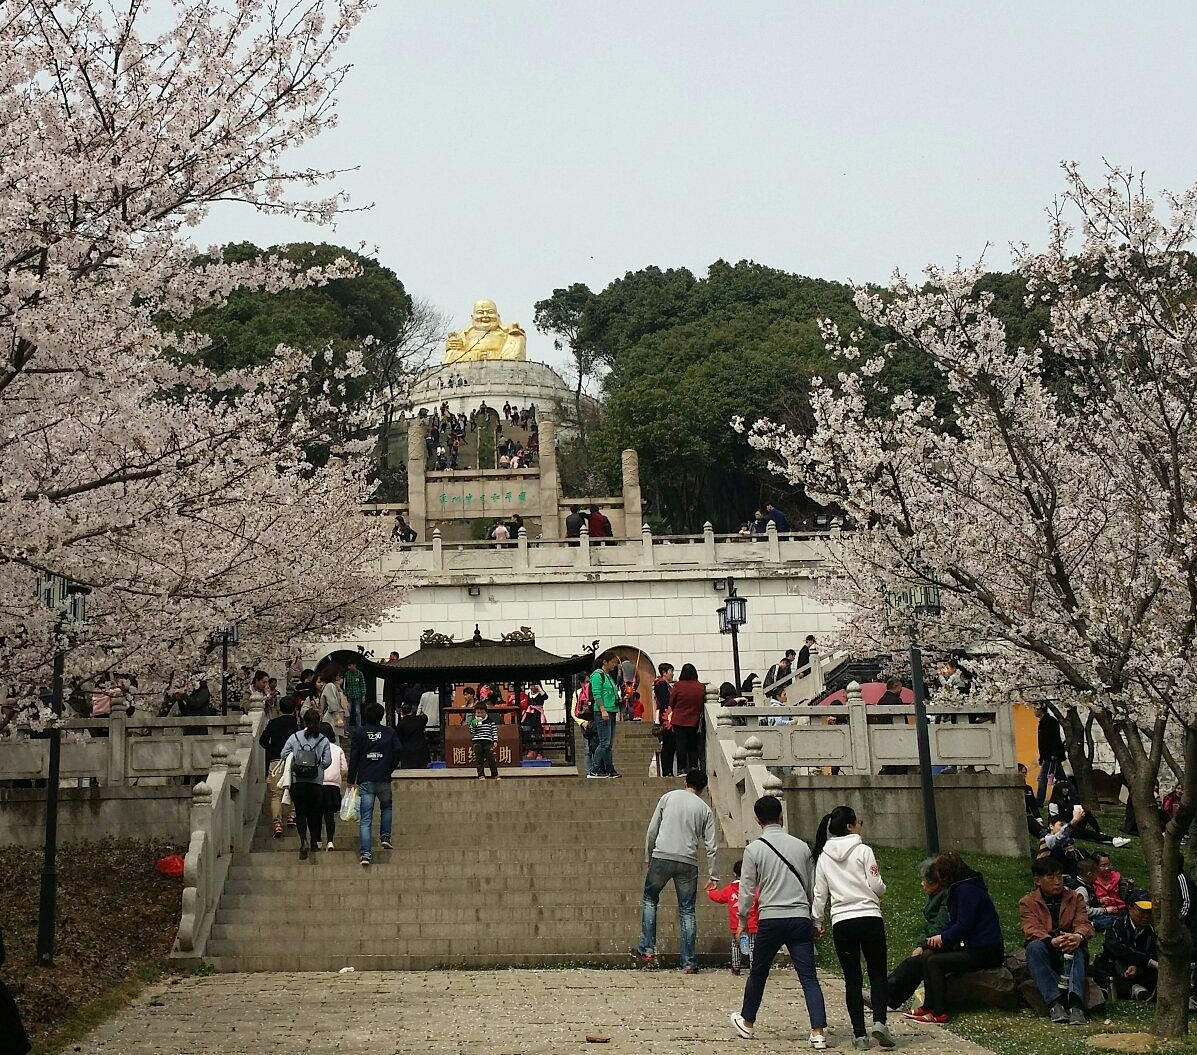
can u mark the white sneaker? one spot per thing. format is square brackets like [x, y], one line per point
[818, 1041]
[1120, 842]
[740, 1026]
[330, 846]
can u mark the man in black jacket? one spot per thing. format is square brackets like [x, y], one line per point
[277, 732]
[1051, 750]
[373, 757]
[1128, 964]
[574, 522]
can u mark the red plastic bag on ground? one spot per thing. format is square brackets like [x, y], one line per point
[171, 866]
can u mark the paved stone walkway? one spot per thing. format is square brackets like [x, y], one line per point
[469, 1013]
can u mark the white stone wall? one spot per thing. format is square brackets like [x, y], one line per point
[667, 613]
[493, 382]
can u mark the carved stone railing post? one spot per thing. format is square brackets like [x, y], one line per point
[773, 542]
[754, 750]
[862, 754]
[646, 538]
[521, 549]
[739, 759]
[582, 556]
[708, 542]
[118, 749]
[437, 556]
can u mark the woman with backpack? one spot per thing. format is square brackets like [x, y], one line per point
[311, 755]
[847, 876]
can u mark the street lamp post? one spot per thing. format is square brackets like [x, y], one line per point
[68, 599]
[228, 636]
[733, 614]
[922, 600]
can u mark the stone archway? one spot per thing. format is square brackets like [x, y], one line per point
[644, 668]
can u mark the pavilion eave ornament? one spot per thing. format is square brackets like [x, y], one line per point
[434, 639]
[523, 636]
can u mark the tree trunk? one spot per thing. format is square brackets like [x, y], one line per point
[578, 413]
[1077, 744]
[1161, 851]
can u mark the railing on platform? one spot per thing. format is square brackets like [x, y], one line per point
[749, 748]
[648, 551]
[121, 751]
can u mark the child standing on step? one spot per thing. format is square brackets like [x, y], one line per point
[484, 734]
[730, 896]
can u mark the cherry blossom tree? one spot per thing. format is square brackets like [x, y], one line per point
[1056, 508]
[180, 497]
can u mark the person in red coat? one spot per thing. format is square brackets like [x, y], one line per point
[599, 526]
[685, 701]
[730, 896]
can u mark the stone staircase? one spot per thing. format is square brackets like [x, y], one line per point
[523, 872]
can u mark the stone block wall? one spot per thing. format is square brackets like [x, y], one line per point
[88, 815]
[977, 812]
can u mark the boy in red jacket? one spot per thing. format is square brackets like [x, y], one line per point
[730, 896]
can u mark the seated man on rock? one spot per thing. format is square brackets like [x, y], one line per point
[1128, 964]
[1056, 929]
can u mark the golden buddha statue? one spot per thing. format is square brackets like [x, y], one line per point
[486, 338]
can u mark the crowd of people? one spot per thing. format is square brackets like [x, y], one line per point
[446, 431]
[784, 888]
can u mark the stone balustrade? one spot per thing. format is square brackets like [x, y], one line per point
[224, 809]
[856, 738]
[121, 752]
[706, 550]
[784, 749]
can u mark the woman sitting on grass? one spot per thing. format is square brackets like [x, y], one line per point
[971, 939]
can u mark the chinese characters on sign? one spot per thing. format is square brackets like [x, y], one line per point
[482, 502]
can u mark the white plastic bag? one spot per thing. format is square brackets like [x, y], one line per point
[654, 766]
[349, 805]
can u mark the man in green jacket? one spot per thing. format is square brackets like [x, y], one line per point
[605, 697]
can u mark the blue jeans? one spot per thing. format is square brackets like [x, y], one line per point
[685, 882]
[602, 761]
[796, 933]
[1045, 963]
[1106, 920]
[370, 791]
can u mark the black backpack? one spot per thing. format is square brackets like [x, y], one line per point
[306, 763]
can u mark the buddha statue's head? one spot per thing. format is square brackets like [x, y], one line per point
[486, 315]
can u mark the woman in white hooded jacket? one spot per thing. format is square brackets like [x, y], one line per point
[847, 877]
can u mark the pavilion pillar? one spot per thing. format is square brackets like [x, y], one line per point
[550, 520]
[417, 493]
[632, 515]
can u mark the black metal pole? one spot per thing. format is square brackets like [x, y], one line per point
[736, 655]
[924, 740]
[49, 889]
[224, 673]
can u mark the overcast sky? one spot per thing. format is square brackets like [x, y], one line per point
[512, 147]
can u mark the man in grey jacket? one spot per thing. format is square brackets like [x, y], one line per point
[679, 823]
[780, 867]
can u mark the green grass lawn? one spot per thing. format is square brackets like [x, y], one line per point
[1008, 879]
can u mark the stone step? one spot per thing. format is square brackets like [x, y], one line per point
[318, 961]
[268, 917]
[466, 948]
[300, 930]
